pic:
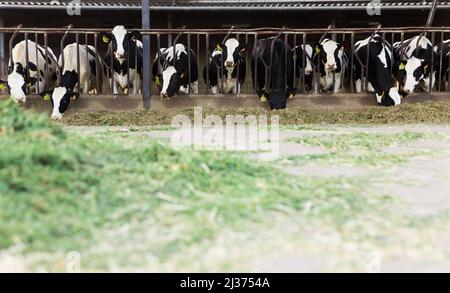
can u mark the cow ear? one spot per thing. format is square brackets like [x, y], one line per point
[182, 75]
[425, 64]
[317, 48]
[2, 84]
[106, 37]
[219, 48]
[134, 35]
[74, 96]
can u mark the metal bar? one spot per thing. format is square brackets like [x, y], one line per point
[27, 63]
[87, 56]
[38, 74]
[432, 63]
[146, 54]
[256, 64]
[46, 57]
[440, 61]
[189, 62]
[77, 40]
[97, 61]
[207, 62]
[352, 60]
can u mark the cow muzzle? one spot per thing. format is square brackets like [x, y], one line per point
[229, 64]
[331, 66]
[56, 117]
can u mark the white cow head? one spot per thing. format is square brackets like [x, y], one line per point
[170, 82]
[120, 40]
[329, 52]
[61, 98]
[233, 53]
[17, 83]
[415, 70]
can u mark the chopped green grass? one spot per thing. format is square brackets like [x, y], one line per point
[60, 192]
[427, 112]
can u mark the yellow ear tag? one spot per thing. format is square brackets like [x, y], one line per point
[425, 67]
[2, 86]
[402, 66]
[105, 39]
[263, 99]
[317, 50]
[243, 50]
[157, 81]
[182, 75]
[219, 48]
[47, 97]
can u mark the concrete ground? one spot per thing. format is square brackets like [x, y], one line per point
[411, 165]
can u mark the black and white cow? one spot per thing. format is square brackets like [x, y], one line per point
[379, 78]
[122, 50]
[18, 80]
[173, 76]
[412, 69]
[304, 65]
[332, 62]
[279, 85]
[68, 87]
[231, 57]
[443, 51]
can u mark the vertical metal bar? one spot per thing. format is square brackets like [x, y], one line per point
[189, 62]
[303, 62]
[111, 69]
[207, 62]
[146, 53]
[128, 66]
[38, 75]
[27, 61]
[136, 52]
[256, 63]
[352, 60]
[77, 40]
[286, 53]
[295, 58]
[46, 58]
[87, 55]
[237, 69]
[441, 49]
[247, 59]
[432, 62]
[198, 60]
[97, 61]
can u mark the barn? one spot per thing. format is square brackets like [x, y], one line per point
[219, 13]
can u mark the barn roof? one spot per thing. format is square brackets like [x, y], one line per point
[225, 4]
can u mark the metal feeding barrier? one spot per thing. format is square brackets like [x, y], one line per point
[58, 38]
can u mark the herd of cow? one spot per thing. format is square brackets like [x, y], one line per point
[394, 70]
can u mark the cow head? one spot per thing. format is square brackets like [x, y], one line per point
[307, 60]
[390, 98]
[232, 53]
[18, 81]
[328, 50]
[61, 98]
[414, 70]
[170, 80]
[120, 40]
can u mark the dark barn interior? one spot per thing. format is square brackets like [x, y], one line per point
[214, 14]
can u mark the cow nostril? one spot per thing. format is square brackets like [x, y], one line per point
[229, 64]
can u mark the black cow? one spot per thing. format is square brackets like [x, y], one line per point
[277, 86]
[173, 77]
[380, 78]
[231, 58]
[412, 65]
[67, 90]
[122, 50]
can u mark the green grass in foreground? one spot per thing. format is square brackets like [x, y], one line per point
[60, 192]
[428, 112]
